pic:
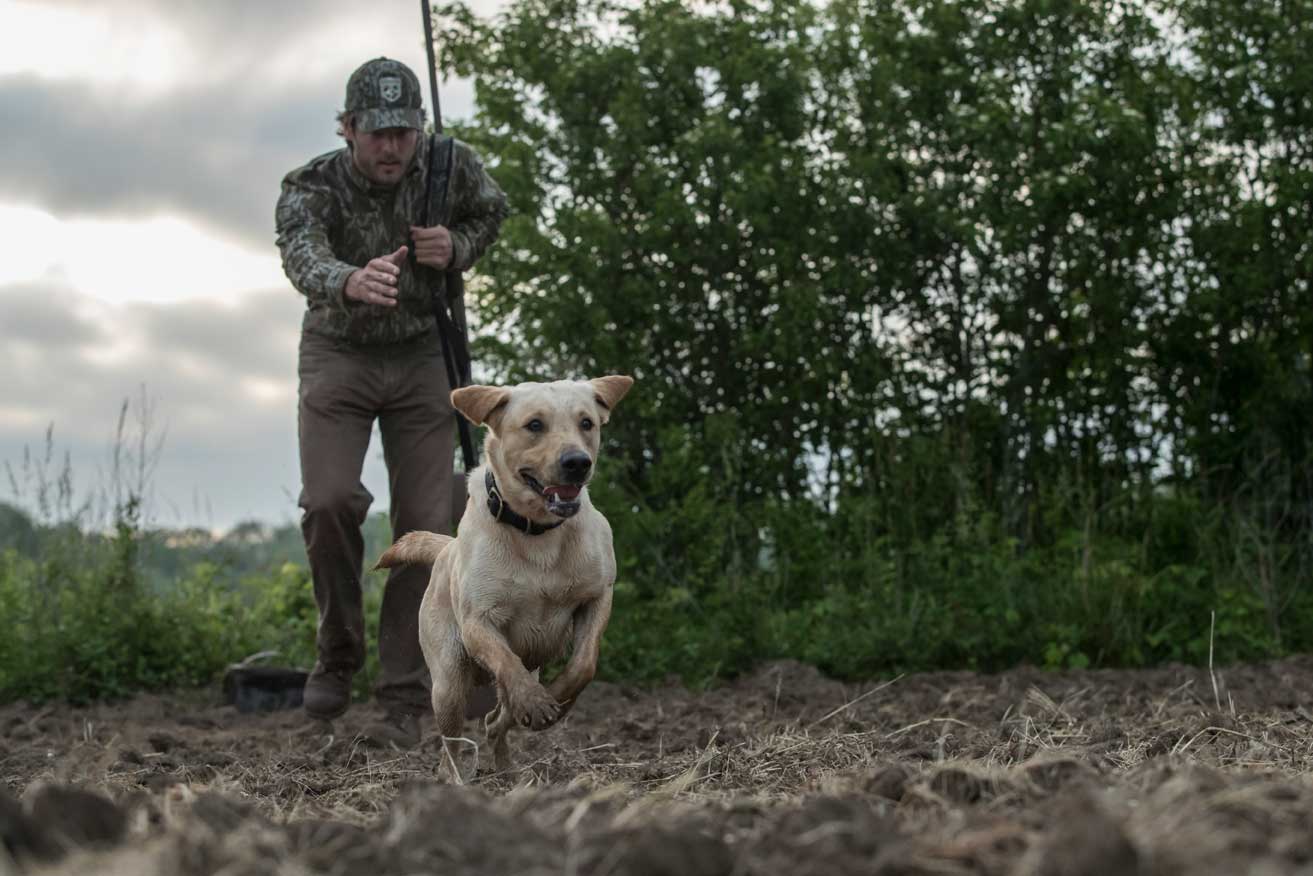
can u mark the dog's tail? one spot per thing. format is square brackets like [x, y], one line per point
[414, 547]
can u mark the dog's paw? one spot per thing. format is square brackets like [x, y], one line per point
[565, 695]
[533, 707]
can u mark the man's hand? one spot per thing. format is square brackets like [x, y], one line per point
[432, 246]
[376, 282]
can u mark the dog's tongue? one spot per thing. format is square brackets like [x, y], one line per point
[564, 492]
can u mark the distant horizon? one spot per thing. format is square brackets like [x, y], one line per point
[90, 500]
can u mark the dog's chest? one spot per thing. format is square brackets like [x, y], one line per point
[566, 578]
[538, 617]
[555, 590]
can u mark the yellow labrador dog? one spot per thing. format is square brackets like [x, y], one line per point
[532, 568]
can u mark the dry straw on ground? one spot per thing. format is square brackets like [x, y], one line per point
[782, 772]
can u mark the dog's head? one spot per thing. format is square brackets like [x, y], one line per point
[544, 438]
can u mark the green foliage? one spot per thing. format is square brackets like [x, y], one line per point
[87, 620]
[966, 333]
[964, 598]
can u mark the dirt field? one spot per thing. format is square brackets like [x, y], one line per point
[783, 772]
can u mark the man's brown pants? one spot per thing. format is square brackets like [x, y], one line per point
[343, 389]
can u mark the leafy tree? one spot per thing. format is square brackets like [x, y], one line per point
[1021, 278]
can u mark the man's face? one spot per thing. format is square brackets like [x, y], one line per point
[382, 155]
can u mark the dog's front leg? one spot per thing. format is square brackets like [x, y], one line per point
[525, 700]
[452, 677]
[590, 622]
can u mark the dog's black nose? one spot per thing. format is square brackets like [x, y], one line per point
[576, 464]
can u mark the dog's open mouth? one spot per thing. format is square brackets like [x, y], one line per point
[562, 499]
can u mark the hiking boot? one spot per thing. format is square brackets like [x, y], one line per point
[395, 729]
[327, 693]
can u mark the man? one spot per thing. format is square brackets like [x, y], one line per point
[348, 233]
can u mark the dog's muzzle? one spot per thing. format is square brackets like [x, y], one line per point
[575, 466]
[563, 499]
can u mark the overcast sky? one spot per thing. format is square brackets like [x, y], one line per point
[143, 146]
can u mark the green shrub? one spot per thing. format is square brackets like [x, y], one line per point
[706, 590]
[74, 637]
[858, 603]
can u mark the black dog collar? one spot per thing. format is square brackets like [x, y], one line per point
[503, 513]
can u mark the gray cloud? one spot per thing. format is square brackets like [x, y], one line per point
[258, 26]
[43, 317]
[255, 334]
[228, 453]
[214, 149]
[215, 154]
[53, 330]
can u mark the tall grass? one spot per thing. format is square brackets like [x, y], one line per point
[83, 621]
[859, 592]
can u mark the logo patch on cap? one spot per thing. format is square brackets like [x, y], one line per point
[389, 88]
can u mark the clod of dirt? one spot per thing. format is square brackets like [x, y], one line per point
[652, 850]
[1086, 841]
[990, 848]
[324, 846]
[214, 758]
[222, 814]
[21, 836]
[889, 782]
[961, 786]
[1051, 775]
[163, 742]
[827, 835]
[320, 834]
[456, 830]
[160, 782]
[78, 818]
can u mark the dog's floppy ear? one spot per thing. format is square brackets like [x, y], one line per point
[609, 390]
[478, 403]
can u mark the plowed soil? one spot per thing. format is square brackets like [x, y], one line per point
[1174, 770]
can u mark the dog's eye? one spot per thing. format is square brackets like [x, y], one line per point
[586, 425]
[534, 425]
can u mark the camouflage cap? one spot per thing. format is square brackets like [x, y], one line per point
[383, 93]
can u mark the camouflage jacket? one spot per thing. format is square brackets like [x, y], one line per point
[331, 220]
